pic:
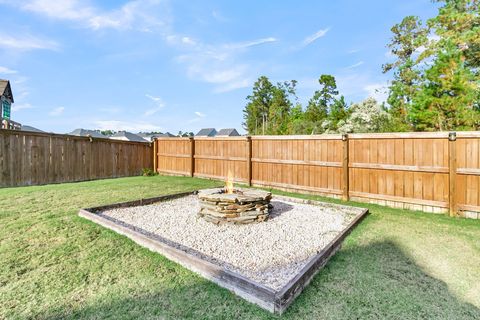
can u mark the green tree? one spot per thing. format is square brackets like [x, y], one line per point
[296, 123]
[107, 133]
[446, 100]
[408, 37]
[317, 108]
[280, 108]
[269, 106]
[337, 115]
[458, 23]
[256, 112]
[436, 75]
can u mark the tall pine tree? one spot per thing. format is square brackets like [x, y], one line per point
[436, 82]
[317, 108]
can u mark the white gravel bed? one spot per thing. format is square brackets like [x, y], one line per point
[271, 253]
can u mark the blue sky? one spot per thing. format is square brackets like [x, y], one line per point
[144, 65]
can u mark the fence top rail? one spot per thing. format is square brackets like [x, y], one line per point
[172, 139]
[67, 136]
[400, 135]
[221, 138]
[242, 138]
[414, 135]
[300, 137]
[468, 134]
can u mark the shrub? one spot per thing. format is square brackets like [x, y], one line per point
[148, 172]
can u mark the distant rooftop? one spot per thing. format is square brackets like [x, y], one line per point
[127, 136]
[87, 133]
[207, 132]
[30, 129]
[5, 89]
[229, 132]
[164, 135]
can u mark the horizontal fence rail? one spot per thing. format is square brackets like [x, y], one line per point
[434, 172]
[28, 158]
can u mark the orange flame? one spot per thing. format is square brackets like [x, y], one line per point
[229, 183]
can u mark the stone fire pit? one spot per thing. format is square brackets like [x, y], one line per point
[240, 207]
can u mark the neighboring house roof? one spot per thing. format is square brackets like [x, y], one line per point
[6, 90]
[146, 136]
[164, 135]
[151, 137]
[127, 136]
[30, 129]
[230, 132]
[207, 132]
[86, 133]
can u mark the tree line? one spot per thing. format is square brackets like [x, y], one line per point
[435, 85]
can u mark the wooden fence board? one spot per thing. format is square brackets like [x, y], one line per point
[39, 158]
[407, 169]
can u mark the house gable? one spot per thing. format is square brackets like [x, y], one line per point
[6, 90]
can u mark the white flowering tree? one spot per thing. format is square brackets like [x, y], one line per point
[366, 116]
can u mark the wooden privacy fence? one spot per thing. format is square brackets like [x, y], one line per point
[28, 158]
[434, 172]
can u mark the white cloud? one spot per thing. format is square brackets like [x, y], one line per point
[65, 9]
[188, 40]
[155, 99]
[314, 37]
[199, 116]
[57, 111]
[353, 51]
[158, 105]
[22, 106]
[241, 83]
[135, 14]
[117, 125]
[220, 64]
[358, 64]
[252, 43]
[27, 42]
[5, 70]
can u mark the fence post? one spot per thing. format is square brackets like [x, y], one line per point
[452, 173]
[345, 184]
[249, 160]
[155, 155]
[192, 156]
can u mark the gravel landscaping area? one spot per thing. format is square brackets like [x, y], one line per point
[270, 253]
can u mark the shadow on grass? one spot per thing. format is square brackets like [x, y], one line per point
[360, 282]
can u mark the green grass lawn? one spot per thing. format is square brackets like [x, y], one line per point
[53, 264]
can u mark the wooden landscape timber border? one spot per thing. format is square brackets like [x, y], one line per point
[435, 172]
[31, 158]
[267, 298]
